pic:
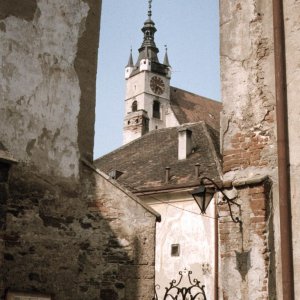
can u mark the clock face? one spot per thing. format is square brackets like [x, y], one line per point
[157, 85]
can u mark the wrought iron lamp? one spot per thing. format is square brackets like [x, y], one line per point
[203, 197]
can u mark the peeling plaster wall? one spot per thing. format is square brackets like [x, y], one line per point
[248, 130]
[247, 87]
[248, 127]
[40, 88]
[292, 35]
[67, 231]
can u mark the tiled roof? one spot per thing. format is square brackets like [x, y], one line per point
[189, 108]
[143, 161]
[5, 156]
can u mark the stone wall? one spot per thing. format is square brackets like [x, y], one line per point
[69, 231]
[4, 169]
[91, 240]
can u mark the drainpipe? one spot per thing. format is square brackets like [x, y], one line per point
[216, 262]
[283, 153]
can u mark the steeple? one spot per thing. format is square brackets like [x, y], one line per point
[166, 63]
[129, 68]
[166, 58]
[148, 49]
[130, 60]
[147, 98]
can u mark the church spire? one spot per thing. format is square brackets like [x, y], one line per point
[166, 58]
[130, 67]
[130, 60]
[148, 49]
[167, 64]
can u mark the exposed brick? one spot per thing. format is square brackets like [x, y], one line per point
[257, 219]
[257, 205]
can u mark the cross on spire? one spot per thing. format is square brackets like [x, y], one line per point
[150, 8]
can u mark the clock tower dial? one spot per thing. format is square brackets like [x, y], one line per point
[157, 85]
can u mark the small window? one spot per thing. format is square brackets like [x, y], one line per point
[134, 106]
[175, 250]
[156, 109]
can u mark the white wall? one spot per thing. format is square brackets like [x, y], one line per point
[182, 224]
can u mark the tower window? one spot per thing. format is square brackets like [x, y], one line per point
[134, 106]
[156, 109]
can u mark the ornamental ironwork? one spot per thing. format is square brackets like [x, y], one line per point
[177, 290]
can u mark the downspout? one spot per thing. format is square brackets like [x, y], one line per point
[216, 262]
[283, 152]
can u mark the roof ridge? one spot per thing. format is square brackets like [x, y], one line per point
[197, 95]
[147, 135]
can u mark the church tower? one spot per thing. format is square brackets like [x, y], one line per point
[147, 100]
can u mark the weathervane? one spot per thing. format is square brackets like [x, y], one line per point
[150, 11]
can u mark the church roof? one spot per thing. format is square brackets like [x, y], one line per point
[189, 108]
[143, 161]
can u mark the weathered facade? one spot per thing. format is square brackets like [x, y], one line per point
[162, 168]
[249, 147]
[66, 229]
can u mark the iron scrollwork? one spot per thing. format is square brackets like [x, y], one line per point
[175, 292]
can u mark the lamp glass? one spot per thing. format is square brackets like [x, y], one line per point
[202, 197]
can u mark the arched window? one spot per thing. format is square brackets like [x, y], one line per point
[156, 109]
[134, 106]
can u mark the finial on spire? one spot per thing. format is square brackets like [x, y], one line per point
[166, 58]
[150, 8]
[130, 60]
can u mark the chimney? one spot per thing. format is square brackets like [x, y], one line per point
[197, 168]
[114, 174]
[167, 174]
[184, 143]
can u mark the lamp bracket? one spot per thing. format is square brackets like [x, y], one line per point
[229, 201]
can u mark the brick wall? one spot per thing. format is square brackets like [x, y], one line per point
[245, 150]
[246, 264]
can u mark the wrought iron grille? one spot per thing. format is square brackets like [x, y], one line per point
[195, 291]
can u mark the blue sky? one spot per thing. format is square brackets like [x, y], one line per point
[190, 29]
